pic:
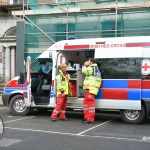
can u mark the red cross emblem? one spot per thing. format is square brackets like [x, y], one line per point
[145, 67]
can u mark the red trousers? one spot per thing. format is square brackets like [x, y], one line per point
[60, 108]
[89, 106]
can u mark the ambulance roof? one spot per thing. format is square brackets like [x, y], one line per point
[93, 43]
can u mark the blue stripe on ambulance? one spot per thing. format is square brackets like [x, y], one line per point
[10, 90]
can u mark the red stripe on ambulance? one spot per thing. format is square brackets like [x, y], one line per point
[120, 94]
[52, 83]
[76, 47]
[146, 84]
[137, 44]
[134, 84]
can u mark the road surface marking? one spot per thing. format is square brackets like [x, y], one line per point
[94, 127]
[18, 119]
[90, 136]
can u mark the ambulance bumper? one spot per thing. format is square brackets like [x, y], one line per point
[5, 99]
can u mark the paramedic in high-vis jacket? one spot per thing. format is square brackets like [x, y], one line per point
[62, 86]
[91, 85]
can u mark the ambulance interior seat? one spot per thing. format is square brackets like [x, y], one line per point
[44, 84]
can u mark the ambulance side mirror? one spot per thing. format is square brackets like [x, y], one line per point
[22, 78]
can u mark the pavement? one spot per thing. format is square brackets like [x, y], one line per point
[1, 103]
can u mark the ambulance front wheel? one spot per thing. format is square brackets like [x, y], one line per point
[17, 106]
[133, 116]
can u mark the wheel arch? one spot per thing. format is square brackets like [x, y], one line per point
[146, 104]
[14, 94]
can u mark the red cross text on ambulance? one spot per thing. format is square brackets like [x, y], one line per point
[107, 46]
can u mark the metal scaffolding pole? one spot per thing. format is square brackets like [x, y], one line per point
[24, 17]
[67, 20]
[39, 29]
[116, 19]
[23, 9]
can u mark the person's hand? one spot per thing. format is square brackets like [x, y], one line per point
[62, 91]
[87, 63]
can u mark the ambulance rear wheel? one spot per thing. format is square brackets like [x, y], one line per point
[17, 106]
[133, 116]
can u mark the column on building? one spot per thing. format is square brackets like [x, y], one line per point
[12, 59]
[7, 64]
[1, 63]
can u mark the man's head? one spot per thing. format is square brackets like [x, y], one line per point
[92, 60]
[46, 64]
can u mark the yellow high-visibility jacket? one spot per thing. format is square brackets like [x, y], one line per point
[62, 82]
[92, 79]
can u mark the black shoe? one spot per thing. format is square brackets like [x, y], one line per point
[88, 122]
[83, 120]
[53, 119]
[64, 119]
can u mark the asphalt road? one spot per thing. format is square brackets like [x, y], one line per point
[37, 132]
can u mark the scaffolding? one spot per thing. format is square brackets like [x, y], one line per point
[48, 21]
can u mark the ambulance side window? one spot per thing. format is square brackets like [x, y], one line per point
[35, 68]
[120, 68]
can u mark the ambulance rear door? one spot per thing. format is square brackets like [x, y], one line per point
[121, 77]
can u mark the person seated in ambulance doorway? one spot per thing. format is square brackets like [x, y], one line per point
[91, 85]
[45, 77]
[62, 86]
[45, 70]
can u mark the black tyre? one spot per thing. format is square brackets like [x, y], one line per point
[133, 116]
[17, 106]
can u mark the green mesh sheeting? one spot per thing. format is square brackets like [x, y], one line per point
[32, 55]
[88, 24]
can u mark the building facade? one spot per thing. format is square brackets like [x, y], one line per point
[7, 42]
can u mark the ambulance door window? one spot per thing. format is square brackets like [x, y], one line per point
[120, 68]
[41, 79]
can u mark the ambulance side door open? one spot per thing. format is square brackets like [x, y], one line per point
[121, 77]
[27, 84]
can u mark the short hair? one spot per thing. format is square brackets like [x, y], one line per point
[61, 66]
[44, 63]
[92, 60]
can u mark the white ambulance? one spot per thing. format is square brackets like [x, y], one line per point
[123, 61]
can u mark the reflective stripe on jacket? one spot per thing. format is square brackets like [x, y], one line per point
[92, 79]
[62, 83]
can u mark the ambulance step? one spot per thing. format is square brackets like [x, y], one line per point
[40, 100]
[42, 103]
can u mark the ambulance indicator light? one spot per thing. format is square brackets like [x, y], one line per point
[100, 42]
